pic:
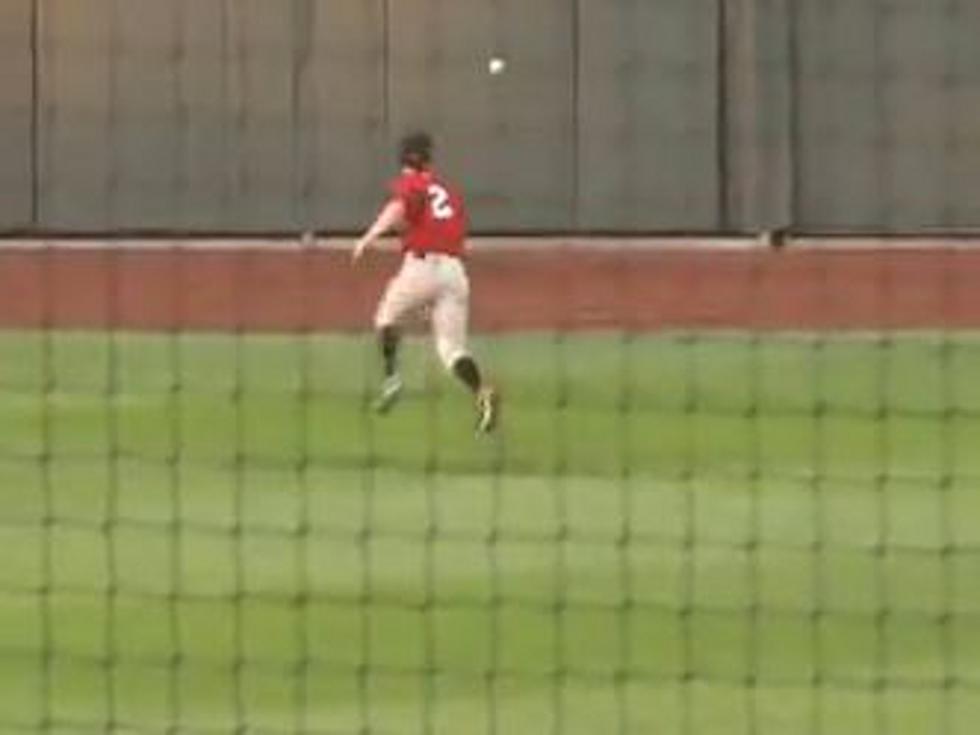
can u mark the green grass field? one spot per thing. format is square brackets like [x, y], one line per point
[672, 534]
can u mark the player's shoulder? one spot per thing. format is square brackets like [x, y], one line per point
[414, 177]
[409, 181]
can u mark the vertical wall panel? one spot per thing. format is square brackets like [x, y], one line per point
[760, 114]
[201, 98]
[145, 151]
[648, 114]
[15, 113]
[73, 66]
[885, 90]
[344, 151]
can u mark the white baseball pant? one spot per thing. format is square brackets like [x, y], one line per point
[437, 282]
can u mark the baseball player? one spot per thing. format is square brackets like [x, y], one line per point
[432, 218]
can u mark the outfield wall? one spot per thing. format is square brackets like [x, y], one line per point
[653, 115]
[518, 284]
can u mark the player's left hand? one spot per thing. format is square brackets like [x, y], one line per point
[359, 249]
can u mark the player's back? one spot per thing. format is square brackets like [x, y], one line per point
[435, 214]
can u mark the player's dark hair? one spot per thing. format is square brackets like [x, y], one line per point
[416, 150]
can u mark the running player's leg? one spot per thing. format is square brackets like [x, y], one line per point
[449, 324]
[389, 338]
[407, 291]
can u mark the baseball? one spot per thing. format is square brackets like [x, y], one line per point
[496, 65]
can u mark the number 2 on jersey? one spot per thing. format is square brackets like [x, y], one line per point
[439, 197]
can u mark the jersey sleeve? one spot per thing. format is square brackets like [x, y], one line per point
[411, 192]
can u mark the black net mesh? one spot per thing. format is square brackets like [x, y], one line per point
[736, 487]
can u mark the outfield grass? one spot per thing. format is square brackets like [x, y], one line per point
[671, 535]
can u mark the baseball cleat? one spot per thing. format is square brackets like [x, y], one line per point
[488, 410]
[391, 389]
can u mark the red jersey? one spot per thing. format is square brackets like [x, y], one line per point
[435, 217]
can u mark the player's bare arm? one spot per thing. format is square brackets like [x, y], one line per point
[390, 217]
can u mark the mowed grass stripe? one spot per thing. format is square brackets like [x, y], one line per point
[757, 480]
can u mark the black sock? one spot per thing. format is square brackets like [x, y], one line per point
[388, 339]
[466, 370]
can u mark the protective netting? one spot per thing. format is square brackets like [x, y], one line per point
[736, 488]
